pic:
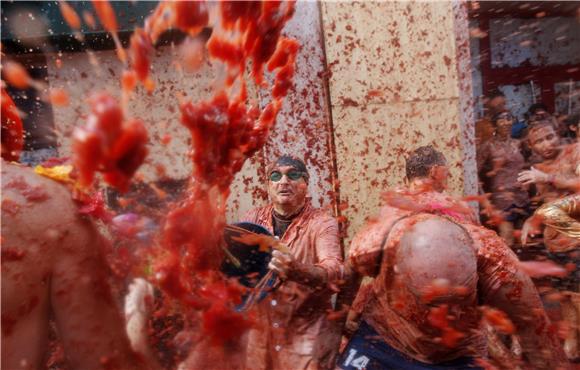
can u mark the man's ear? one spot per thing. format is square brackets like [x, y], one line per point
[433, 171]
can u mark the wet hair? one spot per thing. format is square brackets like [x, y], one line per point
[536, 125]
[498, 115]
[536, 107]
[573, 120]
[495, 94]
[288, 160]
[421, 160]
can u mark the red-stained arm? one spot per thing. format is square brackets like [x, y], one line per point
[504, 285]
[330, 266]
[565, 182]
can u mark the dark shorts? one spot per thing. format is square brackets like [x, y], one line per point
[366, 350]
[514, 213]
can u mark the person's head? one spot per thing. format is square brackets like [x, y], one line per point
[573, 124]
[496, 102]
[538, 112]
[288, 183]
[435, 249]
[428, 166]
[503, 122]
[543, 139]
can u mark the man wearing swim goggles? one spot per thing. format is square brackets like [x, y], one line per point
[293, 328]
[293, 175]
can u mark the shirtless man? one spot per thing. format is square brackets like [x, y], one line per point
[556, 177]
[558, 174]
[433, 267]
[52, 267]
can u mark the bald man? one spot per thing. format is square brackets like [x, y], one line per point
[433, 266]
[52, 266]
[423, 308]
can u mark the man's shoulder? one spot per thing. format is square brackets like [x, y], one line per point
[318, 218]
[369, 236]
[486, 241]
[257, 213]
[321, 214]
[571, 150]
[33, 189]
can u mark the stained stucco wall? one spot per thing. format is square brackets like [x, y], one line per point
[302, 127]
[400, 78]
[373, 81]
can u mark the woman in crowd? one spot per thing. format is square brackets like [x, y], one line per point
[499, 161]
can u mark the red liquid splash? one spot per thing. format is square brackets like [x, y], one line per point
[12, 130]
[140, 48]
[225, 132]
[109, 145]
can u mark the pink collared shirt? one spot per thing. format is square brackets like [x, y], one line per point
[293, 330]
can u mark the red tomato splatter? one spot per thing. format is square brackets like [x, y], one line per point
[538, 269]
[190, 16]
[140, 49]
[95, 206]
[70, 15]
[31, 193]
[498, 319]
[12, 254]
[10, 207]
[59, 97]
[16, 75]
[12, 131]
[106, 144]
[128, 80]
[106, 14]
[89, 20]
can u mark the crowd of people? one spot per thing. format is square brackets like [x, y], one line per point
[531, 172]
[525, 164]
[441, 292]
[429, 282]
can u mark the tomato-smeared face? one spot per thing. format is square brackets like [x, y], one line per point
[287, 186]
[544, 141]
[504, 124]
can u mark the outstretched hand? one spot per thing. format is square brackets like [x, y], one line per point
[533, 176]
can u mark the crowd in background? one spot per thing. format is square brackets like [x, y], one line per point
[528, 168]
[506, 151]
